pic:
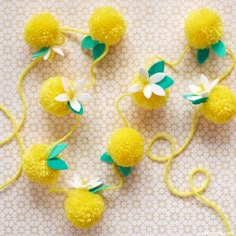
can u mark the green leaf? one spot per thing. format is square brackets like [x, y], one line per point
[200, 100]
[219, 49]
[40, 52]
[97, 189]
[166, 82]
[81, 112]
[189, 95]
[106, 158]
[98, 50]
[57, 164]
[56, 150]
[202, 55]
[88, 42]
[157, 67]
[125, 170]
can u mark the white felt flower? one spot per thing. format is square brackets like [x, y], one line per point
[53, 49]
[204, 88]
[77, 182]
[149, 84]
[73, 95]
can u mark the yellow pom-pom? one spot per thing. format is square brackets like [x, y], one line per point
[34, 164]
[42, 30]
[220, 106]
[49, 90]
[84, 209]
[126, 147]
[107, 25]
[151, 103]
[203, 28]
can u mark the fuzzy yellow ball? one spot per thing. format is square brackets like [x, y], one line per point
[107, 25]
[153, 102]
[84, 209]
[34, 164]
[126, 147]
[203, 28]
[220, 106]
[42, 30]
[51, 88]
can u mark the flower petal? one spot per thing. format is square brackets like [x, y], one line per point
[194, 88]
[62, 98]
[134, 88]
[66, 85]
[143, 72]
[75, 105]
[79, 84]
[47, 55]
[213, 84]
[147, 91]
[193, 98]
[158, 90]
[157, 77]
[84, 97]
[204, 80]
[58, 51]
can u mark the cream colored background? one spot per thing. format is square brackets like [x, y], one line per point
[144, 206]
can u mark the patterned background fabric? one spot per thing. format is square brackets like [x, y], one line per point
[144, 206]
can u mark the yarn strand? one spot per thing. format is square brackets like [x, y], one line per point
[117, 106]
[74, 30]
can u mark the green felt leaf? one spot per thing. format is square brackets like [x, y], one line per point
[41, 52]
[97, 189]
[202, 55]
[166, 82]
[56, 150]
[219, 49]
[57, 164]
[200, 100]
[81, 112]
[125, 170]
[106, 158]
[88, 42]
[98, 50]
[188, 95]
[157, 67]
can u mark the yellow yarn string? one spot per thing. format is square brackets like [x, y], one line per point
[170, 63]
[23, 101]
[121, 180]
[193, 191]
[74, 30]
[20, 144]
[231, 67]
[118, 108]
[92, 74]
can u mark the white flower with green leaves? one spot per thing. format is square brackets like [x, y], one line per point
[200, 92]
[153, 81]
[73, 95]
[48, 52]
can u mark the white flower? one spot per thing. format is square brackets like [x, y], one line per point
[72, 94]
[150, 85]
[77, 182]
[204, 88]
[53, 49]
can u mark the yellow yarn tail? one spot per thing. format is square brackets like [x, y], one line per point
[92, 74]
[170, 63]
[196, 192]
[73, 30]
[20, 144]
[121, 180]
[117, 104]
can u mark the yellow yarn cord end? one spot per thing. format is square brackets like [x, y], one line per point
[92, 74]
[121, 180]
[117, 104]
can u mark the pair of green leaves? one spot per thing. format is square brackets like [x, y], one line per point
[40, 52]
[54, 162]
[80, 112]
[218, 48]
[196, 101]
[125, 171]
[98, 188]
[159, 67]
[97, 48]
